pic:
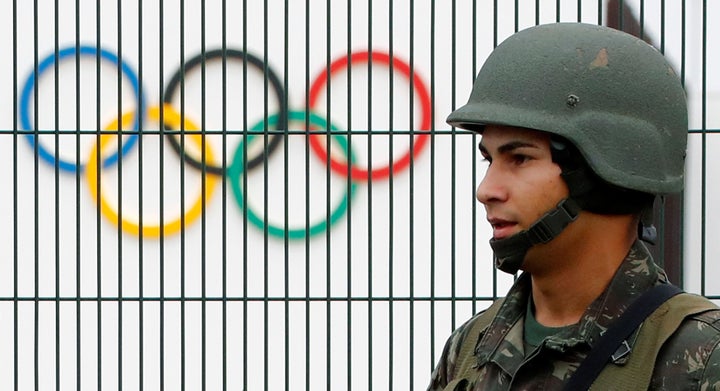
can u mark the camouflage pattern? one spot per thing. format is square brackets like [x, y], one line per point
[690, 359]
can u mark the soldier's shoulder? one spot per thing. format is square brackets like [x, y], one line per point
[451, 355]
[476, 325]
[692, 354]
[701, 328]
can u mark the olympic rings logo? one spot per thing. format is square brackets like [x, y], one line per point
[208, 164]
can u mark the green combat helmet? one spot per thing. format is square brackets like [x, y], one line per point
[614, 106]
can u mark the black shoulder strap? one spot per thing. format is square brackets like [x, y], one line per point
[618, 332]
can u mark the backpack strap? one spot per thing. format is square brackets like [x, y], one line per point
[618, 332]
[464, 372]
[655, 331]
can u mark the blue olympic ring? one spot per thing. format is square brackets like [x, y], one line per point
[50, 61]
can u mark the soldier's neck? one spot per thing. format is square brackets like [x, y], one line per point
[580, 263]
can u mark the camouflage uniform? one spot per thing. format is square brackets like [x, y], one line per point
[690, 359]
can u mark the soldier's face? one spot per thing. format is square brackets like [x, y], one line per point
[521, 183]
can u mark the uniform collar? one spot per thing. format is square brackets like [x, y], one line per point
[636, 274]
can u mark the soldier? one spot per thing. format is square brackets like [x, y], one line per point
[582, 127]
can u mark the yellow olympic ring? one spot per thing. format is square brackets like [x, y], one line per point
[171, 118]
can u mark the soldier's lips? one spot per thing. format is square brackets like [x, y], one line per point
[502, 228]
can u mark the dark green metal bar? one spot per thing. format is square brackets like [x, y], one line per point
[432, 182]
[16, 246]
[391, 197]
[370, 202]
[557, 10]
[473, 173]
[98, 160]
[642, 19]
[161, 191]
[78, 240]
[703, 116]
[495, 43]
[141, 242]
[259, 299]
[348, 185]
[411, 200]
[680, 201]
[203, 186]
[219, 132]
[453, 171]
[286, 139]
[328, 207]
[120, 203]
[266, 253]
[57, 200]
[183, 243]
[579, 10]
[224, 199]
[307, 200]
[245, 201]
[36, 189]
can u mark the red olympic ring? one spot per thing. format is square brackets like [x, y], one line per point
[403, 162]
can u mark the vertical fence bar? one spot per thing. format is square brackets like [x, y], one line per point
[183, 292]
[328, 208]
[432, 184]
[557, 10]
[57, 198]
[411, 200]
[78, 240]
[703, 208]
[307, 195]
[453, 141]
[119, 301]
[203, 185]
[642, 19]
[286, 168]
[370, 202]
[161, 180]
[245, 220]
[391, 182]
[16, 246]
[683, 28]
[348, 185]
[579, 10]
[266, 260]
[141, 242]
[495, 43]
[36, 184]
[224, 199]
[98, 159]
[473, 244]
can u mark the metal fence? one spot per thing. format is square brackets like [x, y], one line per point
[264, 195]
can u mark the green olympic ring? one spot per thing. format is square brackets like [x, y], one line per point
[236, 170]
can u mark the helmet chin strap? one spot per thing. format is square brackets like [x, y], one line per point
[510, 252]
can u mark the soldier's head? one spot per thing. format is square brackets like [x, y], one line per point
[607, 106]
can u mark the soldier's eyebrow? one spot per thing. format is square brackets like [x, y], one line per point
[508, 147]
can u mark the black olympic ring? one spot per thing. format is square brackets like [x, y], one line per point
[273, 140]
